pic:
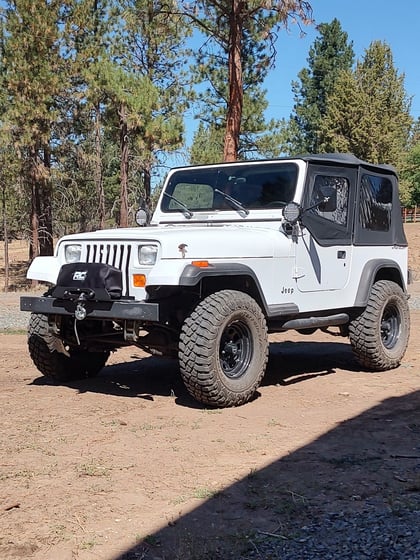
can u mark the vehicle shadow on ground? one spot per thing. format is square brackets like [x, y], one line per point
[149, 377]
[294, 362]
[365, 468]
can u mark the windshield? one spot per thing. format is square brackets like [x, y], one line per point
[253, 186]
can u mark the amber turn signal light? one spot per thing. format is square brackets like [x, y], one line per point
[139, 280]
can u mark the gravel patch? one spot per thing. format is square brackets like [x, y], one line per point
[13, 320]
[11, 317]
[363, 535]
[414, 302]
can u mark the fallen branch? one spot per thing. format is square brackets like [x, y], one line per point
[275, 535]
[12, 506]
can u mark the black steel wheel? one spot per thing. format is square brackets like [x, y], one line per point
[223, 349]
[379, 336]
[43, 349]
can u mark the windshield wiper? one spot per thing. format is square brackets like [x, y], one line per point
[184, 209]
[242, 211]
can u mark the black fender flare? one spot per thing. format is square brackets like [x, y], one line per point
[377, 269]
[192, 275]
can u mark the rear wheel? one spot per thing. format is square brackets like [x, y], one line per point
[43, 349]
[379, 336]
[223, 349]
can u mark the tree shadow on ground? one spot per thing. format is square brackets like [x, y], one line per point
[366, 466]
[148, 377]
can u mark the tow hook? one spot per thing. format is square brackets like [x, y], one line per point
[80, 312]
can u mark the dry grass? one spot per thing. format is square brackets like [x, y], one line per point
[18, 265]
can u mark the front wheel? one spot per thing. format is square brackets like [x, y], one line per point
[223, 349]
[43, 349]
[379, 336]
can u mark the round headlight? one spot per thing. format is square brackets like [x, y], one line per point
[72, 253]
[148, 254]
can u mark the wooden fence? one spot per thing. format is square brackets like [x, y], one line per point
[411, 214]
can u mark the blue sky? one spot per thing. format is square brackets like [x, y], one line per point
[364, 21]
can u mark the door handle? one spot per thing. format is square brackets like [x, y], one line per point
[341, 254]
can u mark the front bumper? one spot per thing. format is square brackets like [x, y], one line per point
[102, 310]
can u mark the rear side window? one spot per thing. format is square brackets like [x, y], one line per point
[375, 203]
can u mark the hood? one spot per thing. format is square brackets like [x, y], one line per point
[195, 242]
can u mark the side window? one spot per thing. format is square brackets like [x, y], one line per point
[375, 203]
[338, 188]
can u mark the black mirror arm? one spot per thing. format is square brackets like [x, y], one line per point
[323, 201]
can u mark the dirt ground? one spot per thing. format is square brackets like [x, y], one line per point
[128, 466]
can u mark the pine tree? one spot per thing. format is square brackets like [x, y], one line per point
[33, 80]
[207, 145]
[153, 55]
[368, 112]
[237, 55]
[410, 169]
[330, 54]
[89, 31]
[410, 177]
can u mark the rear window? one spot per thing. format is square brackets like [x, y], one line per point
[375, 203]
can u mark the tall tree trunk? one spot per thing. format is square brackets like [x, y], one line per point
[236, 94]
[6, 243]
[31, 177]
[99, 184]
[147, 179]
[34, 240]
[35, 212]
[123, 218]
[46, 242]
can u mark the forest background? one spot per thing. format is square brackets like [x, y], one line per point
[95, 94]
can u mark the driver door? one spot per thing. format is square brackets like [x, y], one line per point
[324, 247]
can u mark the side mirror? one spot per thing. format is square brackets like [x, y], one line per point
[329, 199]
[141, 217]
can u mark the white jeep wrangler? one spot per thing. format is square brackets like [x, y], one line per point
[233, 252]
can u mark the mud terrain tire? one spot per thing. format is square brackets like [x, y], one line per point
[223, 349]
[55, 365]
[379, 336]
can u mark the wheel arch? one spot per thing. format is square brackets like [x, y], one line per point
[225, 276]
[373, 271]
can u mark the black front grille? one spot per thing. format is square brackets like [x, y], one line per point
[114, 254]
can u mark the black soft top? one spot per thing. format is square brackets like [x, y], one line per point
[324, 159]
[346, 159]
